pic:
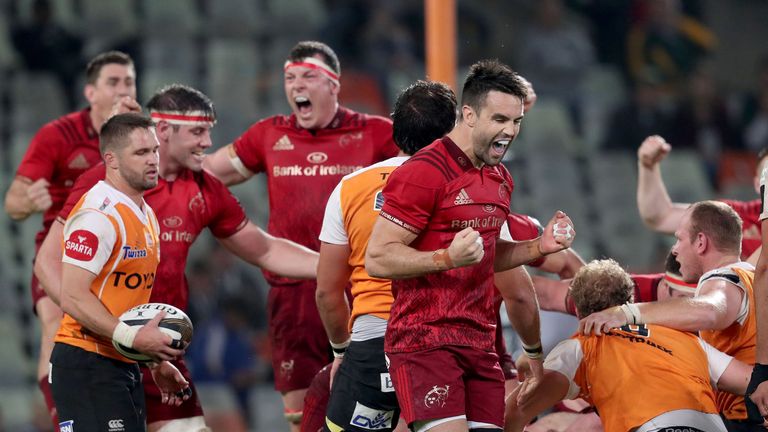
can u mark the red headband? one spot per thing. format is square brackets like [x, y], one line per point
[316, 64]
[190, 118]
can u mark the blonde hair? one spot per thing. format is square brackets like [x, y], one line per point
[599, 285]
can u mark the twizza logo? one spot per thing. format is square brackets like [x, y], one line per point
[81, 245]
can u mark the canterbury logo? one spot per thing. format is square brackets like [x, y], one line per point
[116, 425]
[462, 198]
[283, 144]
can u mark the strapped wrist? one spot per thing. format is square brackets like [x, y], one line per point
[125, 334]
[340, 348]
[533, 352]
[441, 257]
[632, 313]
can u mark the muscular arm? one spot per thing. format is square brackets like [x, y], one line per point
[551, 293]
[48, 261]
[25, 197]
[221, 165]
[761, 300]
[389, 255]
[735, 377]
[277, 255]
[516, 288]
[333, 273]
[715, 308]
[512, 254]
[78, 301]
[565, 263]
[656, 207]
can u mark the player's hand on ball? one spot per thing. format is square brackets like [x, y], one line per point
[558, 234]
[151, 341]
[174, 389]
[653, 150]
[466, 248]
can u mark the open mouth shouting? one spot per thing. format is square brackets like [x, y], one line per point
[499, 146]
[303, 106]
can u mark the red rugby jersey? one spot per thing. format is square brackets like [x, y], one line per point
[304, 166]
[184, 207]
[751, 230]
[437, 193]
[60, 152]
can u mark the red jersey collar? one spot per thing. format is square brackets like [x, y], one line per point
[336, 122]
[458, 155]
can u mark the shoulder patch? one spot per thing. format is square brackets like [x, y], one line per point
[81, 245]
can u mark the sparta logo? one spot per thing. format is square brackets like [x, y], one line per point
[81, 245]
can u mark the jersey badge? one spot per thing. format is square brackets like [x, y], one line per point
[104, 204]
[378, 201]
[81, 245]
[197, 204]
[283, 144]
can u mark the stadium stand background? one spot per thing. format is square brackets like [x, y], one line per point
[233, 50]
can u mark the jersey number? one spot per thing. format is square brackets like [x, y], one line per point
[640, 330]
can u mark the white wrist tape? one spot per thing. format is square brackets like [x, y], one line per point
[340, 348]
[533, 352]
[125, 334]
[632, 313]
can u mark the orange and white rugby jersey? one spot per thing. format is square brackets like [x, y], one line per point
[350, 214]
[636, 373]
[108, 235]
[738, 339]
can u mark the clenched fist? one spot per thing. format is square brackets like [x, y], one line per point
[652, 151]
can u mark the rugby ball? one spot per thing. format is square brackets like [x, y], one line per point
[175, 324]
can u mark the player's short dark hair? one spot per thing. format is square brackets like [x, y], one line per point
[671, 265]
[719, 222]
[599, 285]
[306, 49]
[489, 75]
[424, 112]
[116, 131]
[180, 97]
[94, 67]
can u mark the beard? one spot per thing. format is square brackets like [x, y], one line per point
[137, 180]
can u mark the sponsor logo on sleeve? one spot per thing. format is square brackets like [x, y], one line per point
[372, 419]
[81, 245]
[67, 426]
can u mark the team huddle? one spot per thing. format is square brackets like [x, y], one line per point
[389, 250]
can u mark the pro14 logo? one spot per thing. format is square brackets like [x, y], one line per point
[67, 426]
[370, 418]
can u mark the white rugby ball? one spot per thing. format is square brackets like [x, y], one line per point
[175, 324]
